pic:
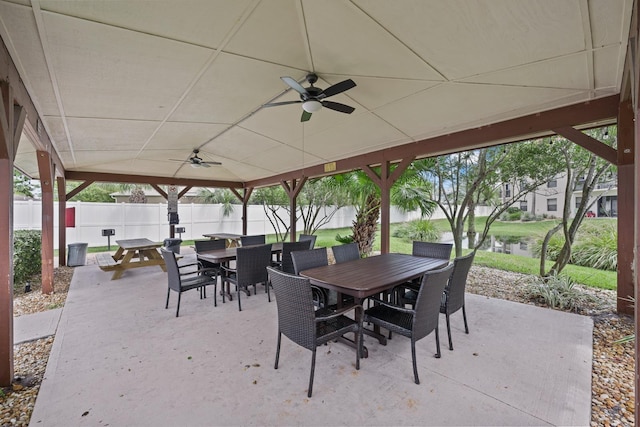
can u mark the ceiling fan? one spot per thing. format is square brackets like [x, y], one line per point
[196, 161]
[312, 98]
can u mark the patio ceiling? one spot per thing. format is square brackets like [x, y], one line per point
[124, 86]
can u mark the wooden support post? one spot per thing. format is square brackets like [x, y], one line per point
[244, 198]
[385, 180]
[46, 171]
[62, 223]
[292, 188]
[12, 118]
[626, 193]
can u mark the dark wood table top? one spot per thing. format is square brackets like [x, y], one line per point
[229, 254]
[137, 244]
[369, 276]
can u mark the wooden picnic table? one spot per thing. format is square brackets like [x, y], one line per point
[230, 238]
[132, 253]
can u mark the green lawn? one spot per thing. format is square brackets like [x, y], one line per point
[587, 276]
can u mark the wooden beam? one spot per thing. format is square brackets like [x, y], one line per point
[46, 173]
[76, 190]
[160, 191]
[588, 143]
[514, 130]
[144, 179]
[184, 191]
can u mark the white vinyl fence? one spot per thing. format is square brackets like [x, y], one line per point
[131, 220]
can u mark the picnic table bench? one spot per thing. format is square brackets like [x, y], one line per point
[132, 253]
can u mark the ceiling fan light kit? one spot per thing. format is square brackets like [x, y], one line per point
[311, 106]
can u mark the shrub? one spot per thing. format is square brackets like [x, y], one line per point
[597, 246]
[27, 259]
[557, 292]
[528, 216]
[345, 240]
[422, 230]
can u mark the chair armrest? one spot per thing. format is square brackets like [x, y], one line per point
[395, 307]
[339, 312]
[188, 265]
[228, 269]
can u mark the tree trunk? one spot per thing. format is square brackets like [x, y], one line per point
[471, 225]
[366, 223]
[545, 245]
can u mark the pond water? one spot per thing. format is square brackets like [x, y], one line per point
[501, 244]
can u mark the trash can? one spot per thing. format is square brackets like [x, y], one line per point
[76, 254]
[172, 245]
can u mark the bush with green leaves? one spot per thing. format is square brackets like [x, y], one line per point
[528, 216]
[27, 258]
[557, 292]
[421, 230]
[596, 246]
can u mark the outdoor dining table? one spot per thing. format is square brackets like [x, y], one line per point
[226, 255]
[132, 253]
[230, 238]
[370, 276]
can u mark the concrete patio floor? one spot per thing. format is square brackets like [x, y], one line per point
[120, 359]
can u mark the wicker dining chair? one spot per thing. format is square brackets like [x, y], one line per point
[311, 238]
[258, 239]
[210, 245]
[453, 296]
[251, 269]
[286, 263]
[344, 253]
[408, 292]
[414, 323]
[182, 282]
[304, 260]
[299, 321]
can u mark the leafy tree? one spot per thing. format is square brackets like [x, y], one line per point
[318, 202]
[22, 184]
[275, 202]
[222, 196]
[97, 192]
[584, 172]
[466, 179]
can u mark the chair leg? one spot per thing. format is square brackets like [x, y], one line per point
[268, 291]
[178, 307]
[464, 316]
[238, 291]
[167, 304]
[437, 355]
[449, 331]
[313, 368]
[278, 349]
[215, 291]
[415, 365]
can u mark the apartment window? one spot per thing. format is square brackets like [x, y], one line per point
[523, 205]
[507, 190]
[552, 184]
[552, 205]
[578, 201]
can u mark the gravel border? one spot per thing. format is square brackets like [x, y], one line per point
[613, 394]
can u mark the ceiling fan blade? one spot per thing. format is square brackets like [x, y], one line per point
[336, 106]
[211, 163]
[275, 104]
[338, 88]
[294, 85]
[305, 116]
[204, 165]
